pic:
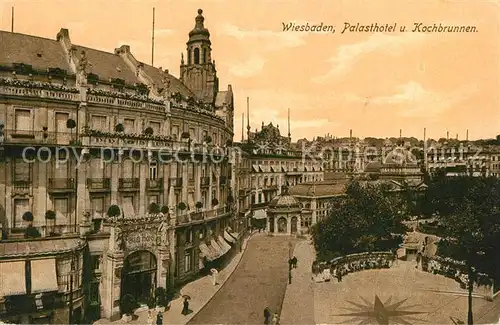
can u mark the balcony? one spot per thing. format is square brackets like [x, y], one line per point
[200, 216]
[204, 181]
[175, 182]
[294, 172]
[270, 188]
[69, 94]
[61, 185]
[99, 184]
[38, 137]
[244, 192]
[154, 184]
[21, 186]
[128, 184]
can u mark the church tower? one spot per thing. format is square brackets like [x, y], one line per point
[198, 72]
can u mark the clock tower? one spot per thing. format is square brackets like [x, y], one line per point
[198, 72]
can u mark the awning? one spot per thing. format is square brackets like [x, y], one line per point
[224, 245]
[228, 237]
[235, 235]
[215, 246]
[207, 252]
[12, 279]
[255, 168]
[43, 275]
[261, 169]
[259, 214]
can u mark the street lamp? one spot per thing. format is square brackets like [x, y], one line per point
[290, 262]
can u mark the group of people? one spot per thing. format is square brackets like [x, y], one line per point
[270, 318]
[158, 318]
[453, 270]
[340, 267]
[293, 262]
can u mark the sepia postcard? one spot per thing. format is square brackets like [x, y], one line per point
[250, 162]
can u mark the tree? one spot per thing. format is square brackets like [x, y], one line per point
[199, 205]
[28, 216]
[469, 210]
[366, 219]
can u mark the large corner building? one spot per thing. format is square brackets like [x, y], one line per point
[115, 176]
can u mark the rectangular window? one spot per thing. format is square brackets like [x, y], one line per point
[24, 122]
[192, 134]
[153, 171]
[128, 206]
[61, 210]
[188, 261]
[156, 126]
[20, 207]
[99, 123]
[61, 120]
[98, 208]
[174, 133]
[129, 125]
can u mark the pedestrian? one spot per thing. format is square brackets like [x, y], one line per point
[275, 320]
[294, 260]
[159, 319]
[339, 275]
[419, 257]
[267, 315]
[185, 309]
[150, 317]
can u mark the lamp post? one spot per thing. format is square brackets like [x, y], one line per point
[290, 262]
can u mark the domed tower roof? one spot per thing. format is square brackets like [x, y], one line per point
[199, 32]
[284, 201]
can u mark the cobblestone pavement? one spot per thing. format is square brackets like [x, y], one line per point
[259, 280]
[298, 305]
[431, 299]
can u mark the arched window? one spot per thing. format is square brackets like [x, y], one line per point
[196, 56]
[204, 56]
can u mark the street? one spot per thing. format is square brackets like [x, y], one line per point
[259, 280]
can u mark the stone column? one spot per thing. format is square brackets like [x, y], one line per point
[197, 180]
[289, 224]
[110, 285]
[83, 203]
[162, 267]
[268, 223]
[115, 175]
[42, 198]
[143, 175]
[210, 187]
[276, 217]
[313, 214]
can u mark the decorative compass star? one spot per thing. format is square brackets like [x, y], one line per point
[381, 313]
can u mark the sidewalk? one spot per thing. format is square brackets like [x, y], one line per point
[200, 290]
[298, 304]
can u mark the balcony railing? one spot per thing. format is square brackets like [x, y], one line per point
[204, 181]
[21, 186]
[62, 184]
[38, 137]
[154, 184]
[40, 93]
[99, 184]
[128, 184]
[175, 181]
[121, 102]
[202, 215]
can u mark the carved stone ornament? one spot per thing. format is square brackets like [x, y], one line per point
[119, 244]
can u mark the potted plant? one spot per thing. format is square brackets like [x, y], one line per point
[127, 305]
[185, 135]
[164, 209]
[51, 215]
[182, 206]
[31, 232]
[148, 131]
[208, 139]
[199, 205]
[71, 124]
[215, 202]
[119, 128]
[114, 211]
[229, 143]
[161, 299]
[28, 217]
[154, 208]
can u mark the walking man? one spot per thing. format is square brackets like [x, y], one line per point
[267, 315]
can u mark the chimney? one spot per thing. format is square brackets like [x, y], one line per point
[467, 135]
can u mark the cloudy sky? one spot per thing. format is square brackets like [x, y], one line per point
[372, 83]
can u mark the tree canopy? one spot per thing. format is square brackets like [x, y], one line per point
[366, 219]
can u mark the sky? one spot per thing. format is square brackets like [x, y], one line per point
[374, 83]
